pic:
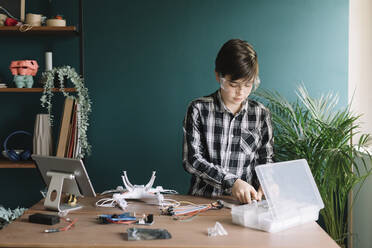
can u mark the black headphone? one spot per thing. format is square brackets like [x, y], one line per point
[12, 154]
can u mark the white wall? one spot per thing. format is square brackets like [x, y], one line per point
[360, 84]
[360, 61]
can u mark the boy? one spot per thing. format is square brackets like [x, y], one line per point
[226, 134]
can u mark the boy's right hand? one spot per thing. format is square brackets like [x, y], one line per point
[243, 191]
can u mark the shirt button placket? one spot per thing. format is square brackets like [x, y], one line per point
[229, 141]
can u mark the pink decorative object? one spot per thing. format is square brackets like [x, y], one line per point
[10, 22]
[24, 67]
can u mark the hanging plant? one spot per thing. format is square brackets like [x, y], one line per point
[82, 98]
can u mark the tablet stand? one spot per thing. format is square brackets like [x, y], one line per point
[55, 186]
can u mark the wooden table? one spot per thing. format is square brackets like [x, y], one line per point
[88, 233]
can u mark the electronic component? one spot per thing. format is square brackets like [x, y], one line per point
[124, 218]
[147, 234]
[46, 219]
[188, 211]
[146, 220]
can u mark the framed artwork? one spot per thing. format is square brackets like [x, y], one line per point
[15, 7]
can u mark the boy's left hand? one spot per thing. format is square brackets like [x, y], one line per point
[260, 193]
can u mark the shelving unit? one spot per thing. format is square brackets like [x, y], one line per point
[70, 30]
[43, 31]
[5, 164]
[37, 90]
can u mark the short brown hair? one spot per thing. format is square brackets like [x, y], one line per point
[238, 59]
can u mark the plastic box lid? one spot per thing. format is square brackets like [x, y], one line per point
[289, 187]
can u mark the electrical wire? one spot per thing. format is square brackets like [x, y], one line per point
[7, 12]
[112, 202]
[71, 222]
[189, 210]
[106, 203]
[122, 221]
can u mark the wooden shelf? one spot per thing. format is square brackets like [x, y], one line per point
[70, 30]
[34, 90]
[4, 164]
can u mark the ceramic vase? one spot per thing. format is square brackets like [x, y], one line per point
[42, 141]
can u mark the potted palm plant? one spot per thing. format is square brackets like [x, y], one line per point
[316, 130]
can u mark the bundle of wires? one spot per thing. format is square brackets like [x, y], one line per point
[71, 222]
[116, 200]
[188, 210]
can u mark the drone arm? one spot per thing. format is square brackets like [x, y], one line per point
[151, 182]
[126, 182]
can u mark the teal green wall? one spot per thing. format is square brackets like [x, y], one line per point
[145, 60]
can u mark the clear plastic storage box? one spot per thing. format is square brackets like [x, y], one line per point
[292, 198]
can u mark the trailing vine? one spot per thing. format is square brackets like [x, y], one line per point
[82, 99]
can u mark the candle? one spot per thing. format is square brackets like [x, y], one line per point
[48, 61]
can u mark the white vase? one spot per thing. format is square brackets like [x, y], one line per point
[42, 140]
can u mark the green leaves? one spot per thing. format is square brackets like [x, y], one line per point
[82, 98]
[315, 130]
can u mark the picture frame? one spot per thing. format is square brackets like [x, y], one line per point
[17, 8]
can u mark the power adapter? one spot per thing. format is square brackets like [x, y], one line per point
[46, 219]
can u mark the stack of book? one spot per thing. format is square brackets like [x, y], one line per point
[3, 85]
[68, 141]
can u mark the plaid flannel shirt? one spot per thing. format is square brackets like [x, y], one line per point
[219, 147]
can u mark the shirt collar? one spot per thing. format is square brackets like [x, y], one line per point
[221, 107]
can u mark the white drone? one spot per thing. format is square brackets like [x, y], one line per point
[143, 192]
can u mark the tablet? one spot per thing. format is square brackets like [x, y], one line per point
[80, 186]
